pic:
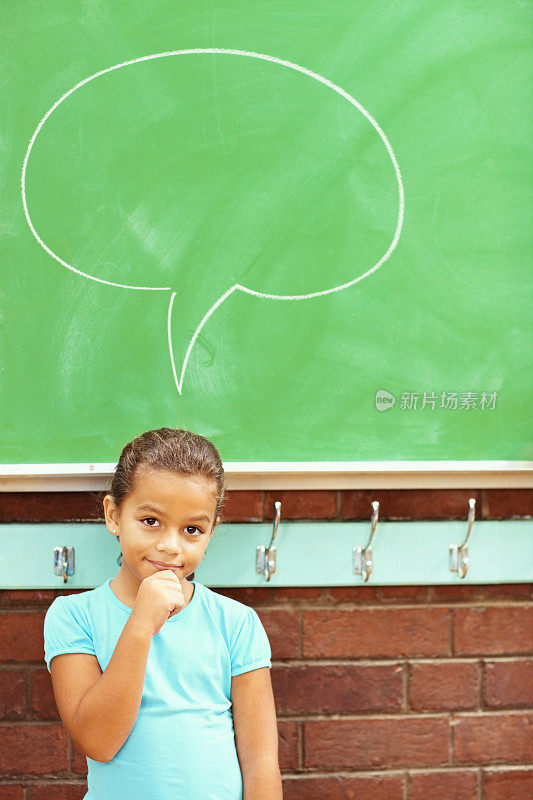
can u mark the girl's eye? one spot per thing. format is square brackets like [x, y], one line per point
[194, 528]
[149, 521]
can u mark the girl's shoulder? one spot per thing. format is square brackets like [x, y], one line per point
[242, 630]
[232, 611]
[77, 603]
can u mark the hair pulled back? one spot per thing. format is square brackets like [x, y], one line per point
[174, 450]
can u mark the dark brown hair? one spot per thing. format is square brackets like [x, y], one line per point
[173, 450]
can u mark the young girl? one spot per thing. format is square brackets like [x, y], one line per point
[162, 683]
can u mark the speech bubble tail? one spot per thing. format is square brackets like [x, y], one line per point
[174, 337]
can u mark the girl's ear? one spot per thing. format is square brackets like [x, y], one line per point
[111, 515]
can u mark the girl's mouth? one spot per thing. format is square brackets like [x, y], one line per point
[157, 565]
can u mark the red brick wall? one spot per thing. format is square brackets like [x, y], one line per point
[388, 693]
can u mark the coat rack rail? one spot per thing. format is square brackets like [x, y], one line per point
[307, 554]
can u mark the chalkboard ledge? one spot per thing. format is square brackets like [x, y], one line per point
[293, 475]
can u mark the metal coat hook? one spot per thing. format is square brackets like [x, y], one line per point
[266, 556]
[64, 561]
[459, 558]
[362, 556]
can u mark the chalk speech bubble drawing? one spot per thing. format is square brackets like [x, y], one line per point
[226, 175]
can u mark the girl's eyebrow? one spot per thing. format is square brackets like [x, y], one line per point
[153, 507]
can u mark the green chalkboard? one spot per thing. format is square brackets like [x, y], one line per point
[301, 229]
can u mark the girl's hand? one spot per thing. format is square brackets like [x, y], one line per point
[159, 597]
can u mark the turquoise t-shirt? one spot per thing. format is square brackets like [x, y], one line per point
[182, 745]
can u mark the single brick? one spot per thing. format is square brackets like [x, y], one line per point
[42, 694]
[451, 785]
[302, 504]
[485, 738]
[415, 593]
[376, 632]
[283, 631]
[493, 630]
[12, 692]
[508, 784]
[57, 791]
[353, 594]
[341, 689]
[457, 592]
[288, 744]
[508, 591]
[11, 791]
[249, 595]
[21, 634]
[482, 592]
[33, 749]
[298, 594]
[356, 787]
[272, 595]
[427, 504]
[243, 506]
[25, 597]
[79, 761]
[507, 503]
[509, 684]
[51, 506]
[369, 743]
[445, 686]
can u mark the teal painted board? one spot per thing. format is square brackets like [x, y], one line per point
[321, 554]
[308, 554]
[27, 555]
[248, 219]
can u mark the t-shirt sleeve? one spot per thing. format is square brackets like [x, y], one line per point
[65, 630]
[251, 648]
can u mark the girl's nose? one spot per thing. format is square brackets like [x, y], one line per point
[171, 542]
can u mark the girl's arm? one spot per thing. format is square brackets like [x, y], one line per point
[101, 721]
[256, 734]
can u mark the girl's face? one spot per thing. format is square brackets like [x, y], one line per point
[167, 518]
